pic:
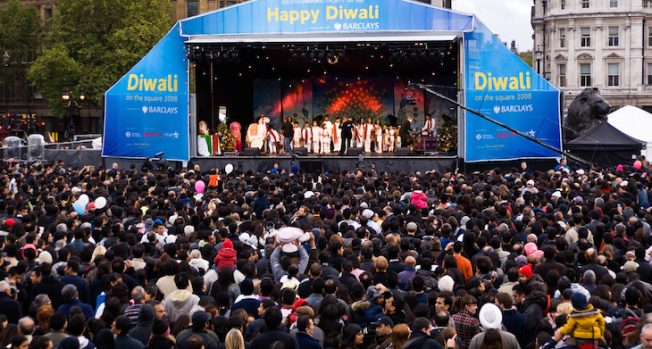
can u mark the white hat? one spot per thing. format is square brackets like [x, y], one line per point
[364, 205]
[75, 190]
[250, 240]
[45, 257]
[367, 213]
[556, 194]
[289, 248]
[446, 283]
[491, 316]
[630, 266]
[308, 194]
[188, 230]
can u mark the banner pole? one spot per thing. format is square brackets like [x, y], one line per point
[528, 137]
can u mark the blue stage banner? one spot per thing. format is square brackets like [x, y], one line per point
[326, 16]
[503, 87]
[147, 109]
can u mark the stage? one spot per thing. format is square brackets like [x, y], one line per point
[264, 163]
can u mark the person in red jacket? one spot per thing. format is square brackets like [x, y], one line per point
[227, 256]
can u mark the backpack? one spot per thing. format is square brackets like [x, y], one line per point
[628, 322]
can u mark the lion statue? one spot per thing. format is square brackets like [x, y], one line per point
[588, 109]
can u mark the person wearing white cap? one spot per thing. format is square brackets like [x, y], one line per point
[491, 319]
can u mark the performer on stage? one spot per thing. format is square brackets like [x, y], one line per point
[325, 137]
[273, 140]
[288, 134]
[316, 137]
[429, 128]
[256, 133]
[347, 134]
[296, 136]
[406, 132]
[367, 130]
[337, 134]
[203, 139]
[378, 130]
[236, 131]
[386, 129]
[306, 136]
[358, 132]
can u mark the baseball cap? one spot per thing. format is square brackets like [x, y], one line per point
[384, 320]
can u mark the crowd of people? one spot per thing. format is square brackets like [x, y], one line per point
[510, 258]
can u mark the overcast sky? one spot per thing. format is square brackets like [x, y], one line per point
[510, 19]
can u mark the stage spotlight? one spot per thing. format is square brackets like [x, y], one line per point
[331, 58]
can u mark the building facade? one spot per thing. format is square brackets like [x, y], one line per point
[605, 44]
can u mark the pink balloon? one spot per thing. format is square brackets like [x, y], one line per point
[200, 186]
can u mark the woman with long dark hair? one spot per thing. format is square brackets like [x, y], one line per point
[492, 339]
[352, 337]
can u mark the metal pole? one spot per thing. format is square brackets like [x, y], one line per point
[571, 156]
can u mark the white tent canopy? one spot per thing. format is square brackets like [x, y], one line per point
[634, 122]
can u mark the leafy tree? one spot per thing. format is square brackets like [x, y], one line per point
[94, 42]
[527, 57]
[21, 31]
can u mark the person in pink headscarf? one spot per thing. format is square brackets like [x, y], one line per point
[236, 130]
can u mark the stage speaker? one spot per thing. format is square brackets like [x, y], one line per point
[354, 151]
[403, 151]
[230, 153]
[312, 166]
[250, 152]
[301, 151]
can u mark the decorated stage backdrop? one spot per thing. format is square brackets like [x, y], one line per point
[503, 87]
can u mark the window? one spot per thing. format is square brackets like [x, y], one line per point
[613, 74]
[613, 36]
[613, 3]
[561, 68]
[585, 74]
[585, 37]
[649, 73]
[192, 7]
[647, 3]
[562, 37]
[563, 4]
[585, 3]
[649, 36]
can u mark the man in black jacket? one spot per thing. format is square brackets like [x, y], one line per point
[273, 318]
[347, 134]
[420, 338]
[8, 305]
[406, 132]
[288, 133]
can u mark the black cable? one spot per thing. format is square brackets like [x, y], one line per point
[496, 122]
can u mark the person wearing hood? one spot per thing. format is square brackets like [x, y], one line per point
[143, 330]
[418, 198]
[180, 301]
[226, 256]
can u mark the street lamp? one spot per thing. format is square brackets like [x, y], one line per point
[539, 56]
[72, 110]
[6, 58]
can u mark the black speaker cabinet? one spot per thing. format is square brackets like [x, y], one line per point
[301, 151]
[354, 151]
[250, 152]
[402, 151]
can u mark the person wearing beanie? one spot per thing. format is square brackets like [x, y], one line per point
[585, 324]
[525, 273]
[161, 337]
[227, 256]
